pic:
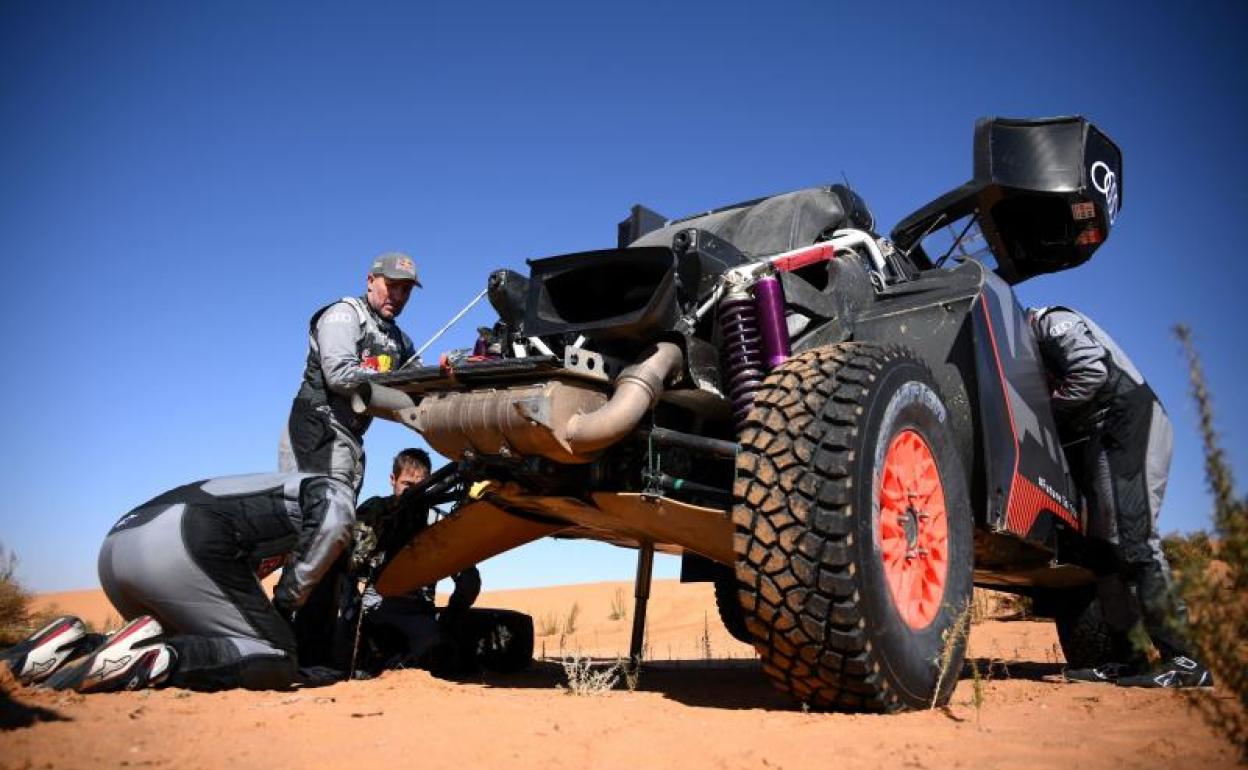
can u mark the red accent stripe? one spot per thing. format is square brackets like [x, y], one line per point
[129, 630]
[1031, 501]
[1022, 510]
[799, 258]
[64, 627]
[1005, 394]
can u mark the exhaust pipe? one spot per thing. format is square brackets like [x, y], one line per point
[387, 403]
[568, 422]
[637, 390]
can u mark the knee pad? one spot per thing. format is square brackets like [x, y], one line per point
[267, 672]
[210, 663]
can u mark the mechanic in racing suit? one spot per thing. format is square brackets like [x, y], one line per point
[411, 616]
[183, 568]
[346, 339]
[396, 629]
[1119, 440]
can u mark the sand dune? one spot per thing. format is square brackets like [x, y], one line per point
[689, 711]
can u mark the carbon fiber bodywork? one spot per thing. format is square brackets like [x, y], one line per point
[662, 284]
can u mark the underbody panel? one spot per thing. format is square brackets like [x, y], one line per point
[507, 517]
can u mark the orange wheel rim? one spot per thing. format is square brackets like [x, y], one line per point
[914, 529]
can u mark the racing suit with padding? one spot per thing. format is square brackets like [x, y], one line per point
[409, 622]
[191, 559]
[323, 435]
[1119, 440]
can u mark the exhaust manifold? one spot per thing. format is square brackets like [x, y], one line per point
[562, 420]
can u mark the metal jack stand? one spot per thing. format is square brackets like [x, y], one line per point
[641, 593]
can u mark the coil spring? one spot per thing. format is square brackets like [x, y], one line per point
[743, 353]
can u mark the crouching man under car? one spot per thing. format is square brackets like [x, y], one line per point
[1119, 440]
[411, 617]
[184, 569]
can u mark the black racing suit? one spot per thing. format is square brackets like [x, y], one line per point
[323, 435]
[1119, 440]
[407, 625]
[192, 556]
[396, 519]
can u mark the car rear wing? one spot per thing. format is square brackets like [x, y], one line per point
[1045, 194]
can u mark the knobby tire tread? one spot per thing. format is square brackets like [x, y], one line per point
[794, 523]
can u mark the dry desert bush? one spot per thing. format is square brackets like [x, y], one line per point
[14, 601]
[619, 609]
[1216, 590]
[584, 678]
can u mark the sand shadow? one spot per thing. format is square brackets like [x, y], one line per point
[15, 715]
[1026, 670]
[731, 683]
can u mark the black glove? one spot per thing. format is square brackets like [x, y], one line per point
[287, 613]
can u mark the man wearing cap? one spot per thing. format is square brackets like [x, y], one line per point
[348, 338]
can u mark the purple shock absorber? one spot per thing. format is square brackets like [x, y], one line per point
[769, 298]
[743, 352]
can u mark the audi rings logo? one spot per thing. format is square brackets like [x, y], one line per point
[1106, 183]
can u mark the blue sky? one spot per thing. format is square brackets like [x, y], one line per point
[181, 185]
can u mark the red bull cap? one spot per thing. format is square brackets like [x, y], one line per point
[396, 266]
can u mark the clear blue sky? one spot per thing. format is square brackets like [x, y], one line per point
[181, 185]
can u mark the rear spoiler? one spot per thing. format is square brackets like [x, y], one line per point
[1046, 193]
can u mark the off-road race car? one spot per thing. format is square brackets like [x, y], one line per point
[843, 431]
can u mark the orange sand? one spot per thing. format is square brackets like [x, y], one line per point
[689, 711]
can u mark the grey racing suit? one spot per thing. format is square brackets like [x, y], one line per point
[192, 558]
[1119, 440]
[323, 435]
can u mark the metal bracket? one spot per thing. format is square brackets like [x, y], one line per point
[590, 365]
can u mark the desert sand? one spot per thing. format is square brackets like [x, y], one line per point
[701, 702]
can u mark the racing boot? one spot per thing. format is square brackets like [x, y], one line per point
[1106, 673]
[1177, 672]
[133, 657]
[35, 658]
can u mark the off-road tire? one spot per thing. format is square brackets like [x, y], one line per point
[730, 611]
[1086, 637]
[810, 565]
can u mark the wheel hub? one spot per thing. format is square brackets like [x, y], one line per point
[913, 529]
[910, 527]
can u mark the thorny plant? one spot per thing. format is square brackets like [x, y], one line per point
[1218, 594]
[977, 688]
[586, 679]
[705, 641]
[632, 674]
[569, 620]
[17, 619]
[14, 602]
[548, 624]
[952, 639]
[619, 608]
